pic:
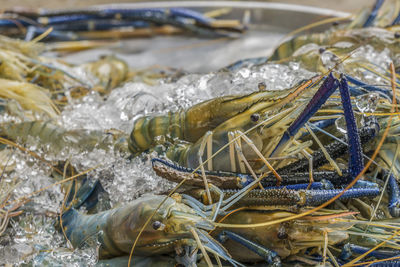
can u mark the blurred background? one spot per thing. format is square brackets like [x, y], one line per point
[341, 5]
[267, 26]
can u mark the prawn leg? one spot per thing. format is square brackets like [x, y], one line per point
[255, 149]
[270, 256]
[205, 141]
[310, 166]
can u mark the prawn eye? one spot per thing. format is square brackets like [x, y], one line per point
[321, 50]
[282, 235]
[396, 34]
[262, 86]
[157, 225]
[255, 117]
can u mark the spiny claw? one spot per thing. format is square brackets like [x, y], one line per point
[324, 92]
[394, 197]
[349, 249]
[317, 197]
[356, 162]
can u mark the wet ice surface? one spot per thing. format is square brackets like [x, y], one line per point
[381, 61]
[124, 179]
[125, 104]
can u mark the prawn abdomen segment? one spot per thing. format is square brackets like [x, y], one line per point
[147, 129]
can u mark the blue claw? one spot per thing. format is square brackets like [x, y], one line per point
[367, 87]
[271, 257]
[55, 34]
[317, 197]
[302, 197]
[324, 92]
[13, 23]
[109, 18]
[396, 20]
[365, 184]
[100, 25]
[394, 197]
[132, 13]
[191, 14]
[300, 179]
[346, 252]
[356, 162]
[65, 19]
[389, 263]
[373, 14]
[349, 249]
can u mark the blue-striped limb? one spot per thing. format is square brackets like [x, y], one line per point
[350, 249]
[230, 180]
[268, 255]
[275, 197]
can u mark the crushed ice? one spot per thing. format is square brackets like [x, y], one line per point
[33, 239]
